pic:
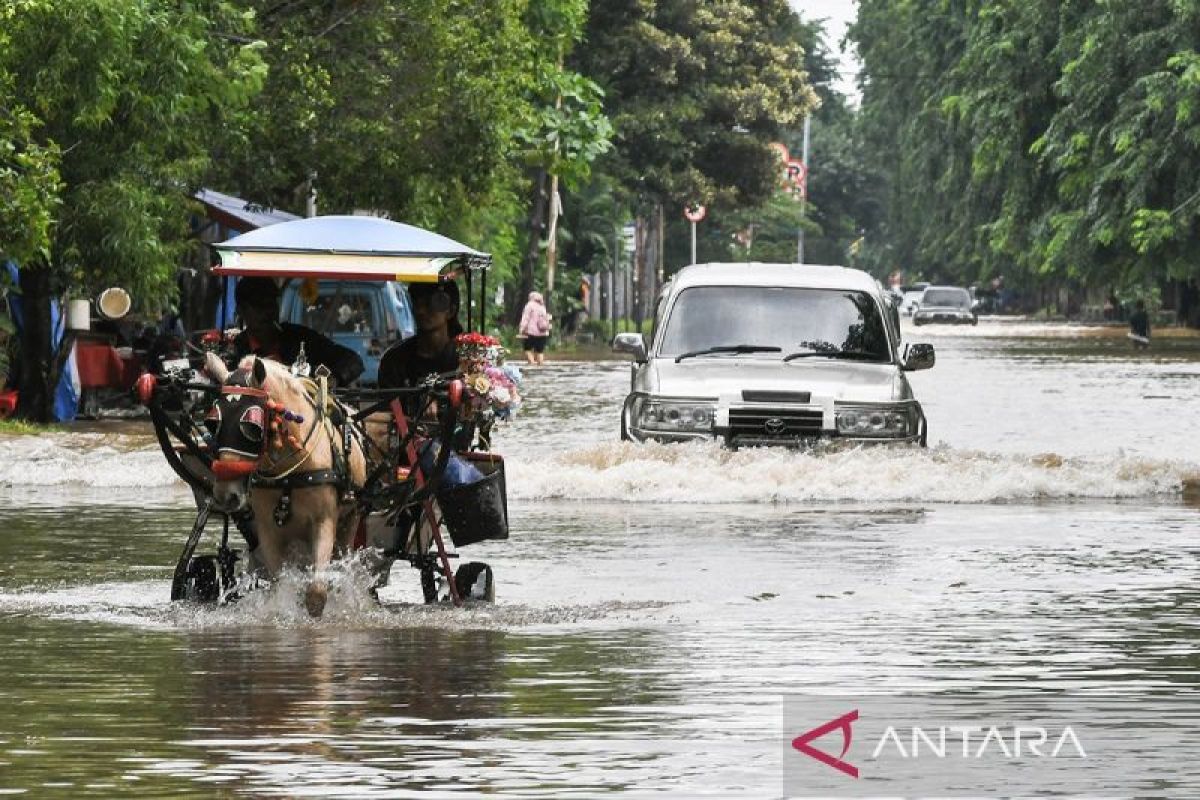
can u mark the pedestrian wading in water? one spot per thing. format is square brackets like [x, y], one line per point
[1139, 325]
[535, 329]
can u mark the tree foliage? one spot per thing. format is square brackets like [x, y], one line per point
[696, 91]
[567, 129]
[1050, 139]
[407, 107]
[122, 100]
[29, 182]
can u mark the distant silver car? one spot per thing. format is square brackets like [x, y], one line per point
[773, 354]
[945, 304]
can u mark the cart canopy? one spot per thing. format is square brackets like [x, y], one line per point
[349, 248]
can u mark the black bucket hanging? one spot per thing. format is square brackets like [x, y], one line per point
[476, 511]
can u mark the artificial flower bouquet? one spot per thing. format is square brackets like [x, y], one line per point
[493, 387]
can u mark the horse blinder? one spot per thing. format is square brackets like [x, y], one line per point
[238, 424]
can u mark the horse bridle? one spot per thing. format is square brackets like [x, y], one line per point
[258, 415]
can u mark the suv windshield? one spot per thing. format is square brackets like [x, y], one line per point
[957, 298]
[785, 320]
[343, 309]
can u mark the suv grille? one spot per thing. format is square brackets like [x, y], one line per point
[772, 423]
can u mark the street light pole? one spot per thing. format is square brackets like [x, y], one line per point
[804, 189]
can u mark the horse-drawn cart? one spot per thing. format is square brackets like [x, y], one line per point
[282, 456]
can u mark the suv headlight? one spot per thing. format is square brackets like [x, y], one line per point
[674, 415]
[883, 421]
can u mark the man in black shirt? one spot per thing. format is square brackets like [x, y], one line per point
[265, 336]
[431, 350]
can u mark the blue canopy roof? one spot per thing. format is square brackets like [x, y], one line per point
[344, 246]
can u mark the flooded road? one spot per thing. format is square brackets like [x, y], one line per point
[654, 603]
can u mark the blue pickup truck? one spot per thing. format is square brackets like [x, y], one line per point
[366, 316]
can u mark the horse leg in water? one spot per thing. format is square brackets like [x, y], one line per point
[310, 521]
[324, 531]
[271, 545]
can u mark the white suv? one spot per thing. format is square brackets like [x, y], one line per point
[773, 354]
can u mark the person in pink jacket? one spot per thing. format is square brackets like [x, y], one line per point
[535, 328]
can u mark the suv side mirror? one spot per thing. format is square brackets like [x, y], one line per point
[631, 343]
[918, 356]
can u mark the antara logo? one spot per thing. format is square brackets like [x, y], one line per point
[842, 723]
[989, 741]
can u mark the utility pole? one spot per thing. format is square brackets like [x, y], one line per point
[555, 209]
[310, 194]
[612, 282]
[662, 242]
[803, 191]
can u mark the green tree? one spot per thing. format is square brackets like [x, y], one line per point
[697, 92]
[407, 107]
[843, 191]
[131, 97]
[29, 182]
[566, 132]
[1056, 140]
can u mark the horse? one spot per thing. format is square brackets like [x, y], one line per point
[274, 437]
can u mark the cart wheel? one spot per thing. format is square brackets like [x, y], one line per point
[475, 582]
[203, 582]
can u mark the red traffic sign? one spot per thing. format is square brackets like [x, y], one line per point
[694, 213]
[795, 172]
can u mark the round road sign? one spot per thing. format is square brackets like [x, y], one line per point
[694, 213]
[796, 172]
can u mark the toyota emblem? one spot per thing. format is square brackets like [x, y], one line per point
[774, 426]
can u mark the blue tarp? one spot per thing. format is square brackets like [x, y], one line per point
[66, 399]
[226, 306]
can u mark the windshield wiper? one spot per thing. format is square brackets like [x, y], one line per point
[730, 348]
[851, 355]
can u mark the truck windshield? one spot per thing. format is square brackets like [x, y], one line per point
[343, 308]
[789, 319]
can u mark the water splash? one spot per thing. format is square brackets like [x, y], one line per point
[144, 604]
[121, 467]
[706, 473]
[84, 460]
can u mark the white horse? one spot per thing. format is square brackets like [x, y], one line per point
[278, 451]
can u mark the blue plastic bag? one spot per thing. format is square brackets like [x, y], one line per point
[459, 471]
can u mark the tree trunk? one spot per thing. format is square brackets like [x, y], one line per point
[647, 262]
[537, 226]
[37, 396]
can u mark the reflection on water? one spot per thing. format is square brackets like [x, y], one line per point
[637, 647]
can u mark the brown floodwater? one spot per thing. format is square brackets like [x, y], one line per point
[654, 604]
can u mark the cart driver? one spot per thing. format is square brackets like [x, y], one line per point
[264, 335]
[432, 349]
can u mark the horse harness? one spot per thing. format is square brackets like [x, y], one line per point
[258, 416]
